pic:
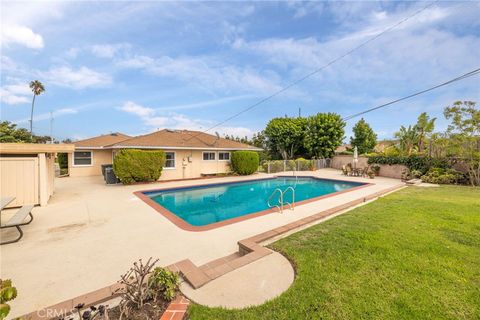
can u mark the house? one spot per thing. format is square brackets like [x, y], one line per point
[27, 171]
[189, 154]
[91, 153]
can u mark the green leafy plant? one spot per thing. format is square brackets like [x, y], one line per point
[412, 162]
[131, 165]
[165, 282]
[7, 293]
[442, 176]
[245, 162]
[324, 133]
[363, 137]
[63, 160]
[285, 136]
[416, 174]
[375, 169]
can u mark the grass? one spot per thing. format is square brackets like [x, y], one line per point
[414, 254]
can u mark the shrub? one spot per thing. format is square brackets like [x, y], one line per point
[304, 165]
[245, 162]
[375, 169]
[7, 293]
[416, 174]
[165, 282]
[442, 176]
[63, 160]
[412, 162]
[131, 165]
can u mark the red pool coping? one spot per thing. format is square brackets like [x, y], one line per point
[249, 250]
[182, 224]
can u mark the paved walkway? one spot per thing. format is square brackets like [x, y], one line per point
[89, 234]
[250, 285]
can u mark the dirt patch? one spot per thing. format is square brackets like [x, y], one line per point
[151, 310]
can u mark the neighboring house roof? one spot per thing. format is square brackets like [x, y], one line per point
[101, 141]
[182, 139]
[343, 148]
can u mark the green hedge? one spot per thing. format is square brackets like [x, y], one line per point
[245, 162]
[63, 160]
[131, 165]
[413, 162]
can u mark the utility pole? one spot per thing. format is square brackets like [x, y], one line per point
[299, 112]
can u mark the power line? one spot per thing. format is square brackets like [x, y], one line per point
[317, 70]
[464, 76]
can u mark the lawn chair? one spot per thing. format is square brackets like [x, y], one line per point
[344, 170]
[17, 221]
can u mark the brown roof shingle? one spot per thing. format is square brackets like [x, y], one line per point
[101, 141]
[171, 139]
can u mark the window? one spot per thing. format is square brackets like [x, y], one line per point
[82, 158]
[225, 156]
[170, 163]
[209, 156]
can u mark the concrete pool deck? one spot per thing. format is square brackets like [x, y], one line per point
[90, 234]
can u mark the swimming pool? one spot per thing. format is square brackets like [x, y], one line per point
[210, 205]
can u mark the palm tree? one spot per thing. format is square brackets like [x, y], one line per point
[408, 138]
[37, 89]
[425, 127]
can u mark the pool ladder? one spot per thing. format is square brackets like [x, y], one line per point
[281, 202]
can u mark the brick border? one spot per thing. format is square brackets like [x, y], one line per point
[177, 309]
[182, 224]
[249, 250]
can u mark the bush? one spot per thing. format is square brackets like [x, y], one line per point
[413, 162]
[442, 176]
[304, 165]
[131, 165]
[165, 282]
[7, 293]
[245, 162]
[63, 160]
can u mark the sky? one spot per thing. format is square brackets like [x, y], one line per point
[136, 67]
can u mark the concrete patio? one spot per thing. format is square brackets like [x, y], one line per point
[90, 234]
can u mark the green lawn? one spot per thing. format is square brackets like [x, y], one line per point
[414, 254]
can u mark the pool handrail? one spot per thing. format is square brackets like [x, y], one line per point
[292, 204]
[280, 200]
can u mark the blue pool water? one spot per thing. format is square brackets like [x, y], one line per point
[203, 205]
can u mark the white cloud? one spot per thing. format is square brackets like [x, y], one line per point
[419, 53]
[108, 50]
[21, 35]
[178, 121]
[203, 104]
[15, 94]
[80, 78]
[138, 110]
[206, 72]
[47, 115]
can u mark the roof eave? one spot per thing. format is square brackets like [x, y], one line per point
[183, 148]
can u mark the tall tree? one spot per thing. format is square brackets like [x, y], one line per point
[285, 136]
[37, 89]
[408, 139]
[425, 127]
[324, 133]
[364, 138]
[464, 135]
